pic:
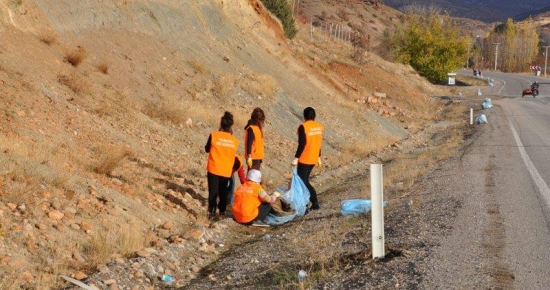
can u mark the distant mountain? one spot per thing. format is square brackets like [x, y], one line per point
[484, 10]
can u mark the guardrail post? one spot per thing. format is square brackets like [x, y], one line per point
[377, 210]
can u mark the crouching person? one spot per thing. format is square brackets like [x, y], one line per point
[251, 203]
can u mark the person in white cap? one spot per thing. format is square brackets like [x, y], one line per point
[251, 203]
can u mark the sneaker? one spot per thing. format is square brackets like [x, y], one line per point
[212, 216]
[315, 206]
[259, 224]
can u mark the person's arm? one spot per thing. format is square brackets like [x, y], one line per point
[249, 141]
[301, 141]
[208, 144]
[242, 177]
[264, 197]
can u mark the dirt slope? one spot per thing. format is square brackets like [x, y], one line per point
[105, 108]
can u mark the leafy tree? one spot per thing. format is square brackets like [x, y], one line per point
[519, 45]
[283, 11]
[430, 44]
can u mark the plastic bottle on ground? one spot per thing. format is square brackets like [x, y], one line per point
[167, 278]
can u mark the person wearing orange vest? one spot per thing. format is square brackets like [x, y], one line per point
[254, 139]
[222, 149]
[308, 154]
[252, 203]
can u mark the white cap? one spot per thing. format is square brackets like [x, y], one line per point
[254, 175]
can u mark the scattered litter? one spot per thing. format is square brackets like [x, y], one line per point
[78, 283]
[302, 275]
[486, 104]
[298, 198]
[481, 119]
[356, 206]
[167, 278]
[479, 92]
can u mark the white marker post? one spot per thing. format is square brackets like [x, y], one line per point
[377, 210]
[471, 116]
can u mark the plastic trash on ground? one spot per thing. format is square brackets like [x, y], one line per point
[356, 206]
[298, 198]
[486, 104]
[481, 119]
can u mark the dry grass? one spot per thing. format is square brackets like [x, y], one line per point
[259, 85]
[353, 151]
[170, 108]
[199, 68]
[103, 67]
[316, 263]
[223, 86]
[112, 157]
[117, 102]
[47, 36]
[124, 240]
[25, 167]
[176, 111]
[76, 57]
[405, 169]
[75, 82]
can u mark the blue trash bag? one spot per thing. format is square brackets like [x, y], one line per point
[481, 119]
[486, 104]
[298, 198]
[356, 206]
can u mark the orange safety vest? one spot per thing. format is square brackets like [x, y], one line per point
[223, 147]
[314, 141]
[257, 151]
[246, 202]
[241, 162]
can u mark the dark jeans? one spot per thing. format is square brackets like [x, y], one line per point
[256, 164]
[264, 208]
[304, 171]
[217, 189]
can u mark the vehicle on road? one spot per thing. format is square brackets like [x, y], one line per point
[533, 92]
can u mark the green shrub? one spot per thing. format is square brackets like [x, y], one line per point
[283, 11]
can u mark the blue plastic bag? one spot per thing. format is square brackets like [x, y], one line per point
[486, 104]
[481, 119]
[356, 206]
[298, 198]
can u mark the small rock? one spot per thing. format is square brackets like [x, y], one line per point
[80, 276]
[168, 225]
[109, 282]
[55, 215]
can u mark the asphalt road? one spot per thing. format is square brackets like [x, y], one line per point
[501, 237]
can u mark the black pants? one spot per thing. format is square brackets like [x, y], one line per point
[217, 189]
[256, 164]
[304, 171]
[264, 208]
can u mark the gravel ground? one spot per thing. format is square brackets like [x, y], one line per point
[335, 251]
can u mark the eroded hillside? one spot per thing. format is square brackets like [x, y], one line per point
[105, 108]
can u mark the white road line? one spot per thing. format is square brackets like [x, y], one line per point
[502, 85]
[535, 175]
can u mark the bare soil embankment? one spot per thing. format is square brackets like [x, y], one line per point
[106, 107]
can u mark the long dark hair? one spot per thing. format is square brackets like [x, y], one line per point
[256, 118]
[226, 122]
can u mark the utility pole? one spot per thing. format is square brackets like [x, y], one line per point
[468, 55]
[545, 59]
[496, 54]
